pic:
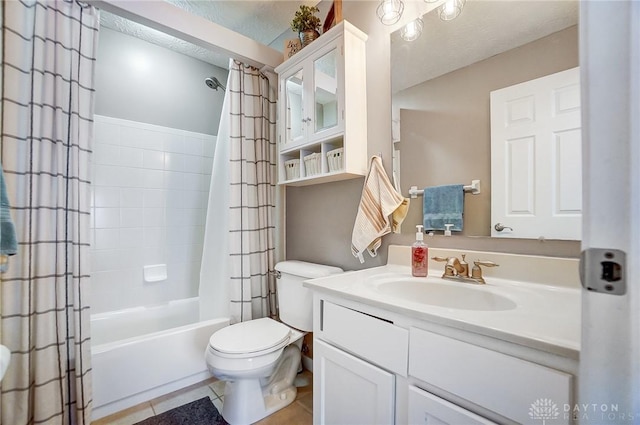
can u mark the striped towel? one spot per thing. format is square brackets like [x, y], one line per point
[379, 200]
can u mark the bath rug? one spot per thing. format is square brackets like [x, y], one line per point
[199, 412]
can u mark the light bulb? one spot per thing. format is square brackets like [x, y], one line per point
[390, 11]
[412, 30]
[451, 9]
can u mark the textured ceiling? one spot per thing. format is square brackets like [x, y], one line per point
[265, 21]
[484, 29]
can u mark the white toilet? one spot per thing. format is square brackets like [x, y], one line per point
[259, 359]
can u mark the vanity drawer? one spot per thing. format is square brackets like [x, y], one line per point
[504, 384]
[426, 409]
[372, 338]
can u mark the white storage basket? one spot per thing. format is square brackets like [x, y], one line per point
[334, 159]
[312, 164]
[292, 169]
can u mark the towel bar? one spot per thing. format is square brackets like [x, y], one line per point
[473, 188]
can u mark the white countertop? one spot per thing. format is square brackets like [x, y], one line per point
[544, 317]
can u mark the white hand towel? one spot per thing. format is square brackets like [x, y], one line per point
[379, 200]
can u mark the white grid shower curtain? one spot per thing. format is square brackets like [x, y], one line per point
[48, 65]
[252, 194]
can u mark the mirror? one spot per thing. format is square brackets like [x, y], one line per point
[441, 84]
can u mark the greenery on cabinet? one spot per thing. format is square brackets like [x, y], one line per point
[306, 24]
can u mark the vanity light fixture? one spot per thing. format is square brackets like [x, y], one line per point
[451, 9]
[412, 30]
[390, 11]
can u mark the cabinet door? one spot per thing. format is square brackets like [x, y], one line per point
[325, 91]
[295, 120]
[427, 409]
[348, 390]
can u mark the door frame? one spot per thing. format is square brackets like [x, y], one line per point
[610, 65]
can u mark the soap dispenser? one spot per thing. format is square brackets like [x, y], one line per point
[419, 255]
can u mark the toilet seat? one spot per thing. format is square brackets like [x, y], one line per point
[250, 339]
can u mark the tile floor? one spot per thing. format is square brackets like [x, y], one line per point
[297, 413]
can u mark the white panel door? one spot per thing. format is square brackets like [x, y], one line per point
[536, 173]
[350, 391]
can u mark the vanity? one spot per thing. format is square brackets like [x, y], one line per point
[392, 348]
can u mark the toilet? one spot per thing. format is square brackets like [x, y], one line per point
[259, 359]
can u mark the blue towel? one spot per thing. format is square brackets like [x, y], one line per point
[8, 241]
[443, 205]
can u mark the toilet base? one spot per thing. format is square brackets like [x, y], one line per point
[248, 400]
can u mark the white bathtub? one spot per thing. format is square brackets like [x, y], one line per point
[145, 352]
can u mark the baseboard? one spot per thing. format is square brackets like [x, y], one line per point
[307, 363]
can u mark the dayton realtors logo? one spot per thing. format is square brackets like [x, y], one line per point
[543, 409]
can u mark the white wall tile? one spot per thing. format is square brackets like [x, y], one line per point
[154, 255]
[174, 143]
[144, 192]
[154, 198]
[153, 179]
[130, 157]
[153, 160]
[153, 217]
[193, 145]
[106, 218]
[131, 217]
[131, 258]
[106, 196]
[193, 164]
[106, 154]
[193, 181]
[174, 180]
[174, 161]
[105, 259]
[107, 238]
[131, 237]
[131, 197]
[154, 236]
[209, 147]
[106, 132]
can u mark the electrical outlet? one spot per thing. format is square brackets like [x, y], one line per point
[603, 270]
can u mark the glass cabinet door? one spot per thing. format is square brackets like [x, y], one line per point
[325, 91]
[294, 114]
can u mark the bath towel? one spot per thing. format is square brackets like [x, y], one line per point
[8, 241]
[443, 205]
[379, 200]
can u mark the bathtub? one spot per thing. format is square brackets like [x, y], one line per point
[145, 352]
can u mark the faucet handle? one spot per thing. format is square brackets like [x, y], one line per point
[476, 271]
[440, 259]
[485, 263]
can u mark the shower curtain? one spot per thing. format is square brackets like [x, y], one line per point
[47, 108]
[240, 249]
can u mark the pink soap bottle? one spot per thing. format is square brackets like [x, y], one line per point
[419, 255]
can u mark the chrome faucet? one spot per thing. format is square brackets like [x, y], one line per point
[459, 270]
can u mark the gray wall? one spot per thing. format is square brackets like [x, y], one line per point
[139, 81]
[319, 218]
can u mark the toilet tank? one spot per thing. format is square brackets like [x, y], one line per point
[295, 302]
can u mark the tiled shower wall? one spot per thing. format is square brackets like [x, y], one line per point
[150, 189]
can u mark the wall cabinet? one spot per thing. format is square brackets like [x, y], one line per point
[322, 113]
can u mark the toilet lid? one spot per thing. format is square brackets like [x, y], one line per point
[250, 337]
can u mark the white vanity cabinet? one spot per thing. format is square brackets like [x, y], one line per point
[356, 360]
[322, 112]
[373, 366]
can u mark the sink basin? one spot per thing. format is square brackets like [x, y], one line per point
[453, 295]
